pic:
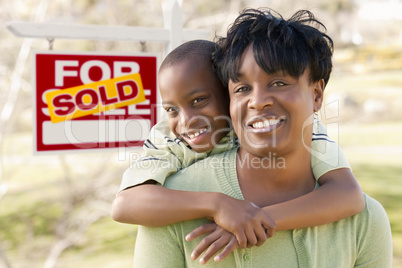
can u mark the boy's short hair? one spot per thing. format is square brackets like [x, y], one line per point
[199, 51]
[279, 45]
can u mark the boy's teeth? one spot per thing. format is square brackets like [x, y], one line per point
[265, 123]
[196, 134]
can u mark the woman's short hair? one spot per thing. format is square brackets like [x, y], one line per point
[289, 46]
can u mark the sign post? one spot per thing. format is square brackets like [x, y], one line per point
[171, 35]
[96, 101]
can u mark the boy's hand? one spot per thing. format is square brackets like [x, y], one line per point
[246, 221]
[216, 239]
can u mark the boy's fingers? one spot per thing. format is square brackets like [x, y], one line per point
[241, 239]
[269, 231]
[270, 227]
[251, 236]
[261, 235]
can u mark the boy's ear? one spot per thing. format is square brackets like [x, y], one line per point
[318, 94]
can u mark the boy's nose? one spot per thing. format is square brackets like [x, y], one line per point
[186, 118]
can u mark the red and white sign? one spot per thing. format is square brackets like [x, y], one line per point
[93, 101]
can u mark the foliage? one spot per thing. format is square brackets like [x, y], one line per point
[55, 212]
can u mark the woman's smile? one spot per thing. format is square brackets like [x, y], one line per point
[264, 125]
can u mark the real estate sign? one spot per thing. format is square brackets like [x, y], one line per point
[86, 101]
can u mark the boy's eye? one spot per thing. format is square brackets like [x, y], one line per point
[197, 100]
[241, 89]
[171, 109]
[278, 84]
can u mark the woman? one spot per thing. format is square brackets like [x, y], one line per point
[276, 71]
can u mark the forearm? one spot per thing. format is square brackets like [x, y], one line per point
[333, 201]
[153, 205]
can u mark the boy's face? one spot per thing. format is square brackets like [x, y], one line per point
[272, 112]
[196, 104]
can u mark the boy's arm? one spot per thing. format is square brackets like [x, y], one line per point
[154, 206]
[162, 156]
[338, 197]
[141, 201]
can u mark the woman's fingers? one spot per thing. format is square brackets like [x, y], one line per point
[217, 239]
[208, 242]
[201, 230]
[225, 241]
[232, 245]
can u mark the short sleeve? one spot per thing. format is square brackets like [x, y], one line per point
[326, 155]
[164, 155]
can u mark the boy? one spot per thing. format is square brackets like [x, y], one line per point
[197, 108]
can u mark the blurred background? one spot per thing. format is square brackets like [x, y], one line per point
[55, 209]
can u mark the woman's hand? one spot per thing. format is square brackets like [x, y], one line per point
[216, 239]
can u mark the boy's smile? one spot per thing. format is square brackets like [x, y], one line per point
[194, 135]
[196, 104]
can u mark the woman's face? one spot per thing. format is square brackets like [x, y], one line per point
[272, 112]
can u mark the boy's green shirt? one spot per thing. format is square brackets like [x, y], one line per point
[165, 154]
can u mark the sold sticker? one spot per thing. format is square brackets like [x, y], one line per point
[96, 97]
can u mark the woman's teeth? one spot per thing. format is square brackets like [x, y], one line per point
[265, 123]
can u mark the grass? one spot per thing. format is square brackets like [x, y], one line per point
[112, 245]
[31, 208]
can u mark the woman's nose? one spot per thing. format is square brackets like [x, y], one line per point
[260, 98]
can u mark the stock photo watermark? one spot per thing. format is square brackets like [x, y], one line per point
[109, 130]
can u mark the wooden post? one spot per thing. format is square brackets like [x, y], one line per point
[172, 22]
[172, 34]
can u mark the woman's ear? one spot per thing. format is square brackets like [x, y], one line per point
[318, 94]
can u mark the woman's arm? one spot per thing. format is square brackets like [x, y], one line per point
[338, 197]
